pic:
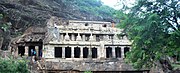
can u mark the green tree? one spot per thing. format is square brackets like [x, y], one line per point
[154, 27]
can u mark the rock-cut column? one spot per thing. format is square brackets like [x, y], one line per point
[66, 38]
[63, 52]
[83, 37]
[37, 50]
[26, 50]
[72, 52]
[122, 52]
[78, 38]
[73, 37]
[81, 52]
[113, 52]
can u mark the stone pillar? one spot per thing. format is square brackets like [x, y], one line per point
[113, 52]
[78, 38]
[104, 52]
[62, 37]
[63, 52]
[26, 50]
[91, 38]
[37, 50]
[66, 37]
[94, 36]
[81, 50]
[72, 37]
[122, 52]
[99, 52]
[72, 52]
[90, 52]
[83, 37]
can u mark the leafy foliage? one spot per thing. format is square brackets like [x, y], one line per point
[154, 28]
[4, 30]
[87, 72]
[3, 26]
[13, 66]
[93, 7]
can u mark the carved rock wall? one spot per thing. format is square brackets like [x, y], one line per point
[90, 65]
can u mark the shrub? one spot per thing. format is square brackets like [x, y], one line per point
[13, 66]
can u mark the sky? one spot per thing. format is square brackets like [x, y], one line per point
[114, 3]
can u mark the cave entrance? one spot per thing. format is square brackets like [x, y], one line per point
[94, 52]
[108, 52]
[30, 48]
[68, 52]
[118, 52]
[58, 52]
[21, 50]
[85, 52]
[32, 51]
[77, 52]
[126, 49]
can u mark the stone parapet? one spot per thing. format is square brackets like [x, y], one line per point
[90, 65]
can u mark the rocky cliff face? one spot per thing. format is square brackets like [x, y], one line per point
[35, 12]
[22, 14]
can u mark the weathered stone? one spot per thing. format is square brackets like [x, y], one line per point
[94, 65]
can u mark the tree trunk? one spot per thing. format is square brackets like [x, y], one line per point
[166, 66]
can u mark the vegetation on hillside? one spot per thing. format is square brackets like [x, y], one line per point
[4, 30]
[95, 7]
[154, 27]
[13, 66]
[9, 65]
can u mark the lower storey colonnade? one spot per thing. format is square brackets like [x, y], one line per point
[29, 50]
[90, 52]
[76, 52]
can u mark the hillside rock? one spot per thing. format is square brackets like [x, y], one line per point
[22, 14]
[35, 12]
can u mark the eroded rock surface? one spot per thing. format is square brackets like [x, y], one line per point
[22, 14]
[89, 65]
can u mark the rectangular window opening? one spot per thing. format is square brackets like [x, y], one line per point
[77, 52]
[108, 52]
[94, 52]
[126, 49]
[118, 52]
[58, 52]
[85, 52]
[67, 52]
[21, 50]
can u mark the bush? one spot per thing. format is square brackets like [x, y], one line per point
[87, 72]
[13, 66]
